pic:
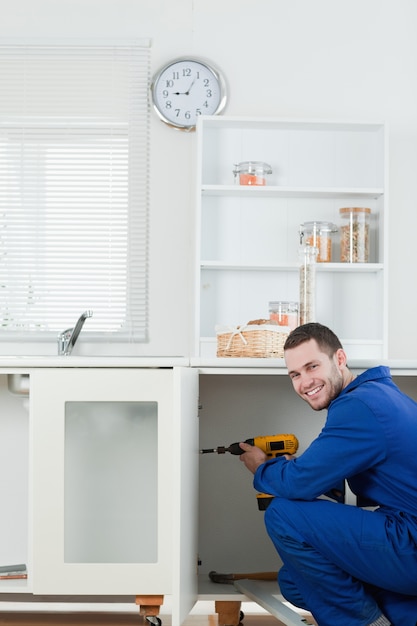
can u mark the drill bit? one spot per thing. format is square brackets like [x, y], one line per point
[218, 450]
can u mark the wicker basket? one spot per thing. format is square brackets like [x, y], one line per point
[256, 341]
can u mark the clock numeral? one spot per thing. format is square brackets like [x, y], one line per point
[169, 83]
[168, 104]
[209, 93]
[175, 75]
[186, 71]
[165, 93]
[206, 82]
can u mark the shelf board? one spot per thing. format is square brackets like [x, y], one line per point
[320, 267]
[242, 123]
[273, 191]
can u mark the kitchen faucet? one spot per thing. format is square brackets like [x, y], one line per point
[67, 339]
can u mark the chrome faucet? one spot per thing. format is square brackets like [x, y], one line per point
[67, 339]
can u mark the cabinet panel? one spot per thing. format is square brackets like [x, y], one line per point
[14, 486]
[107, 481]
[248, 238]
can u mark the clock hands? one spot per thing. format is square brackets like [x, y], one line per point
[185, 93]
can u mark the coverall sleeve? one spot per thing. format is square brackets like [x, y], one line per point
[351, 442]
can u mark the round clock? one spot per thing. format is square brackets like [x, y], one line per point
[185, 89]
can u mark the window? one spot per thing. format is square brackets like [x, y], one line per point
[74, 187]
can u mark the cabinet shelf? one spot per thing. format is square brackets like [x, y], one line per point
[320, 267]
[273, 191]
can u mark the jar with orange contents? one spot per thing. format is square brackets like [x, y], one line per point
[284, 313]
[319, 235]
[251, 173]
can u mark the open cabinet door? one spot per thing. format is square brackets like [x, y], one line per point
[185, 515]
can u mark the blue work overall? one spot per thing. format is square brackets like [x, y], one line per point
[340, 561]
[343, 563]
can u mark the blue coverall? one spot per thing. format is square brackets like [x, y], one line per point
[343, 563]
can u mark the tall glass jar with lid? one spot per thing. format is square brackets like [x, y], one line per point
[354, 234]
[308, 257]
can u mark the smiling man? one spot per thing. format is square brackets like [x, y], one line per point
[347, 565]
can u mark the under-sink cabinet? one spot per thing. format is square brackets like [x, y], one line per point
[107, 472]
[106, 492]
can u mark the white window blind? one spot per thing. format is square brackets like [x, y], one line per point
[74, 143]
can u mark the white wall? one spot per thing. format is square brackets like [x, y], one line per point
[351, 60]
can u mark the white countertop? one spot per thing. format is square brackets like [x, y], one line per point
[91, 361]
[214, 365]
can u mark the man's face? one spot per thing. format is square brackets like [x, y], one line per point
[316, 377]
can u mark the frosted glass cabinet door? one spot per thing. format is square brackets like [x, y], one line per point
[111, 482]
[107, 480]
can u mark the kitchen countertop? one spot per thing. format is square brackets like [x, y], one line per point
[215, 365]
[28, 362]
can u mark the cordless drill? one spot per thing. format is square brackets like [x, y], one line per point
[272, 445]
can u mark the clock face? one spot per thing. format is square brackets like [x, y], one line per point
[185, 89]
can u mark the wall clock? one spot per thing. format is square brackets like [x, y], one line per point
[186, 88]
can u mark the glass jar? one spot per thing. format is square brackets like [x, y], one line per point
[251, 173]
[308, 256]
[319, 235]
[354, 235]
[284, 313]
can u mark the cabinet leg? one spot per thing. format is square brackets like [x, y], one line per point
[149, 606]
[228, 611]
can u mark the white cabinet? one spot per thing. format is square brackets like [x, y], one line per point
[114, 482]
[107, 494]
[248, 237]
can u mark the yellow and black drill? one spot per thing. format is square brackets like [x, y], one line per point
[272, 445]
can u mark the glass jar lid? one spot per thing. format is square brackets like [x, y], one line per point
[252, 167]
[282, 304]
[318, 227]
[356, 209]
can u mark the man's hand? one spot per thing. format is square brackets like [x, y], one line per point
[252, 456]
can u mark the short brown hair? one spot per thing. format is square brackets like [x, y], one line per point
[325, 338]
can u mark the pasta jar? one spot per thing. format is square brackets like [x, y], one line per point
[354, 235]
[319, 235]
[251, 173]
[284, 313]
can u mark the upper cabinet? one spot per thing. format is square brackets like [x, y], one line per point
[248, 241]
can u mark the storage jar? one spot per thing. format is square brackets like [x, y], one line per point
[308, 257]
[319, 235]
[354, 234]
[284, 313]
[251, 173]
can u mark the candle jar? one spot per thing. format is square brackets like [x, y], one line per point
[284, 313]
[354, 235]
[251, 173]
[319, 235]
